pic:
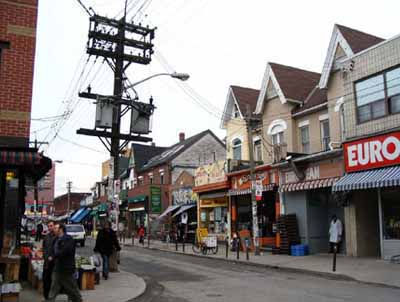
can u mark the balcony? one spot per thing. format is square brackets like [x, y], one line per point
[235, 165]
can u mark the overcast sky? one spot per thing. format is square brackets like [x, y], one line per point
[219, 43]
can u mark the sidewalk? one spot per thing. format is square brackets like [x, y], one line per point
[119, 287]
[366, 270]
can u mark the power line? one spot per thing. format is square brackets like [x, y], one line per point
[80, 145]
[85, 8]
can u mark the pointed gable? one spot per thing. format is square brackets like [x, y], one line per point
[344, 43]
[290, 84]
[239, 97]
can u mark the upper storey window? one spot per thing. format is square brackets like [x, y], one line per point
[237, 149]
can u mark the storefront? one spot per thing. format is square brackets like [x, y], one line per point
[371, 185]
[268, 205]
[137, 211]
[306, 190]
[212, 186]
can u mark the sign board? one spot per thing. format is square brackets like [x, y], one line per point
[155, 200]
[370, 153]
[259, 190]
[209, 174]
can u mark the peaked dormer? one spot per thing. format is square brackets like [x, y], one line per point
[344, 43]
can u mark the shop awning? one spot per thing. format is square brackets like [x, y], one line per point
[184, 209]
[169, 210]
[378, 178]
[138, 198]
[309, 185]
[79, 218]
[266, 188]
[77, 213]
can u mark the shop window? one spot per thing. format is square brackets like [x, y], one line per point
[378, 96]
[257, 150]
[237, 149]
[305, 139]
[325, 135]
[391, 217]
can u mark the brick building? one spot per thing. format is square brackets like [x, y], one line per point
[61, 202]
[19, 164]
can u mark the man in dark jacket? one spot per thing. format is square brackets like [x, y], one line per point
[64, 267]
[48, 253]
[106, 242]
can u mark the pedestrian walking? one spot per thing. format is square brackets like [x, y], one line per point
[39, 231]
[48, 256]
[64, 267]
[141, 234]
[106, 243]
[121, 230]
[335, 234]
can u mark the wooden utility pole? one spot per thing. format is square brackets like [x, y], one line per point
[69, 186]
[249, 122]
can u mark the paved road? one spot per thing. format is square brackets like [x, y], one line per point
[181, 278]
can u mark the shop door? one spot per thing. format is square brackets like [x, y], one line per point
[391, 223]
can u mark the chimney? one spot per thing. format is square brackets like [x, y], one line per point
[153, 144]
[181, 136]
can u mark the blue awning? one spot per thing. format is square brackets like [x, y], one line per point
[378, 178]
[85, 213]
[77, 213]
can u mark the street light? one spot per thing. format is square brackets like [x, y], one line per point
[176, 75]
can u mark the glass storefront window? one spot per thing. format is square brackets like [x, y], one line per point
[391, 216]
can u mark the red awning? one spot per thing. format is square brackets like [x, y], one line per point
[8, 157]
[309, 185]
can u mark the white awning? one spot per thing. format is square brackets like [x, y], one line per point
[169, 210]
[377, 178]
[184, 209]
[136, 209]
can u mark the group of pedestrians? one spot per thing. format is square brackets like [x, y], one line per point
[59, 260]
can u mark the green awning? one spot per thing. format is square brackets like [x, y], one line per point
[93, 212]
[137, 198]
[101, 208]
[123, 195]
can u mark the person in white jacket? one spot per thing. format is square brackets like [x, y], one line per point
[335, 234]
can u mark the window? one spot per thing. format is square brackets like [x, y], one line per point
[305, 139]
[214, 156]
[237, 149]
[140, 180]
[391, 215]
[257, 150]
[277, 135]
[151, 179]
[3, 45]
[236, 113]
[378, 96]
[161, 178]
[325, 135]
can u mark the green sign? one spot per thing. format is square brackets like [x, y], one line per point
[155, 200]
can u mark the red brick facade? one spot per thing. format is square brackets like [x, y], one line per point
[61, 202]
[18, 20]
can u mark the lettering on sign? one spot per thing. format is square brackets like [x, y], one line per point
[311, 173]
[379, 151]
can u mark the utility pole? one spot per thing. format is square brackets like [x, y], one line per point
[69, 186]
[249, 122]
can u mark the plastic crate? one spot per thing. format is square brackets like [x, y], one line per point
[299, 250]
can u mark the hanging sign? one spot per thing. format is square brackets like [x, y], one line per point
[259, 190]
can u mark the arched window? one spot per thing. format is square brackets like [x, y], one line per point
[237, 148]
[277, 134]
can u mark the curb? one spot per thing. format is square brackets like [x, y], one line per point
[142, 286]
[326, 275]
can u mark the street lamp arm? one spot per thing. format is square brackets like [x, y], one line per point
[180, 76]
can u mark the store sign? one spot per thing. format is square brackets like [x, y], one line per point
[213, 203]
[155, 200]
[379, 151]
[259, 190]
[209, 174]
[243, 182]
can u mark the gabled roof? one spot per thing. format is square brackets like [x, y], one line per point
[143, 153]
[241, 97]
[172, 152]
[351, 41]
[358, 40]
[316, 99]
[291, 84]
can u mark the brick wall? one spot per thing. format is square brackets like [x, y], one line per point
[18, 20]
[61, 202]
[373, 61]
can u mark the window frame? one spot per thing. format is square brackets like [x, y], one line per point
[257, 155]
[386, 98]
[234, 146]
[323, 138]
[308, 141]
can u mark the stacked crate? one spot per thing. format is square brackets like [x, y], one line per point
[289, 233]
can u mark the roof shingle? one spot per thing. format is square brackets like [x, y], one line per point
[245, 96]
[358, 40]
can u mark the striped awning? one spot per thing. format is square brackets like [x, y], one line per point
[309, 185]
[233, 192]
[19, 157]
[378, 178]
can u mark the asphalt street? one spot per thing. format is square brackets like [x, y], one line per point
[181, 278]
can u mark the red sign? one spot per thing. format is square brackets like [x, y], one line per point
[375, 152]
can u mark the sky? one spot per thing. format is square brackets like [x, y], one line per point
[219, 43]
